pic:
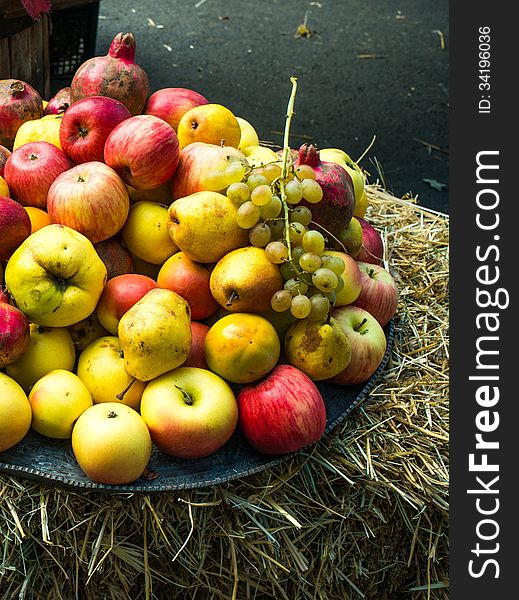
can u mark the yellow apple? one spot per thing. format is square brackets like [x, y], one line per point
[101, 368]
[15, 412]
[145, 232]
[249, 137]
[338, 156]
[57, 400]
[111, 443]
[55, 276]
[361, 206]
[45, 129]
[49, 348]
[210, 123]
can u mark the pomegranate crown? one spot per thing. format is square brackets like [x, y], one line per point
[308, 155]
[123, 46]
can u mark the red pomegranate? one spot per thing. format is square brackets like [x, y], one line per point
[115, 75]
[19, 102]
[335, 210]
[59, 102]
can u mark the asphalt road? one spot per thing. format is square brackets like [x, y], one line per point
[367, 70]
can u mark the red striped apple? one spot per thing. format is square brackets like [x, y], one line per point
[143, 150]
[87, 124]
[379, 293]
[90, 198]
[171, 104]
[367, 341]
[283, 413]
[372, 249]
[31, 169]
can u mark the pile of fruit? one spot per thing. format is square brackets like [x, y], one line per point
[167, 278]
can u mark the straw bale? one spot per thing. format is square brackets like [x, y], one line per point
[363, 514]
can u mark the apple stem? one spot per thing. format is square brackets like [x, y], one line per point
[187, 398]
[359, 325]
[232, 297]
[120, 395]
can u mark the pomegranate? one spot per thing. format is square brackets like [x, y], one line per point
[59, 102]
[335, 210]
[14, 334]
[115, 75]
[19, 102]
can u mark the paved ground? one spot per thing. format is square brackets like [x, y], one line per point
[366, 68]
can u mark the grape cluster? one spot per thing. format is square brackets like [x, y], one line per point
[269, 207]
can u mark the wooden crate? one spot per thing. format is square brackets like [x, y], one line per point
[25, 44]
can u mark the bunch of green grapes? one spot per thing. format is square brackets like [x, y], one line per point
[269, 207]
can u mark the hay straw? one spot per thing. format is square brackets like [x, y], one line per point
[362, 514]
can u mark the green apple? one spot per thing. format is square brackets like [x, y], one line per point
[49, 348]
[190, 412]
[55, 276]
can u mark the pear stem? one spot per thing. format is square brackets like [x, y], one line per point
[284, 164]
[120, 395]
[232, 297]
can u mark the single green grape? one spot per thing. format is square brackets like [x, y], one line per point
[234, 172]
[272, 209]
[272, 171]
[261, 195]
[238, 192]
[293, 192]
[310, 261]
[256, 179]
[247, 215]
[296, 231]
[296, 286]
[303, 172]
[320, 307]
[281, 300]
[260, 235]
[300, 306]
[277, 226]
[324, 279]
[334, 263]
[301, 214]
[276, 252]
[287, 270]
[313, 241]
[312, 191]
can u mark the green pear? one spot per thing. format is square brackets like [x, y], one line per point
[320, 350]
[155, 334]
[203, 225]
[244, 280]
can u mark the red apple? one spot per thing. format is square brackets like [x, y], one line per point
[86, 126]
[190, 280]
[4, 155]
[59, 102]
[196, 357]
[143, 150]
[30, 171]
[15, 226]
[170, 104]
[201, 168]
[379, 293]
[283, 413]
[117, 258]
[367, 341]
[90, 198]
[14, 334]
[372, 249]
[120, 294]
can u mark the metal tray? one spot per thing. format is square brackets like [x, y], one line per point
[52, 462]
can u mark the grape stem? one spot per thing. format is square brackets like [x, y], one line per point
[284, 164]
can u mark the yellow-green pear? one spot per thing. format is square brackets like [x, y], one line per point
[155, 334]
[320, 350]
[203, 225]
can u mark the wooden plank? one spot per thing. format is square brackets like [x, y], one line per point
[20, 52]
[5, 59]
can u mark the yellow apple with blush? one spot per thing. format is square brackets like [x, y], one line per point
[15, 412]
[49, 348]
[249, 136]
[57, 400]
